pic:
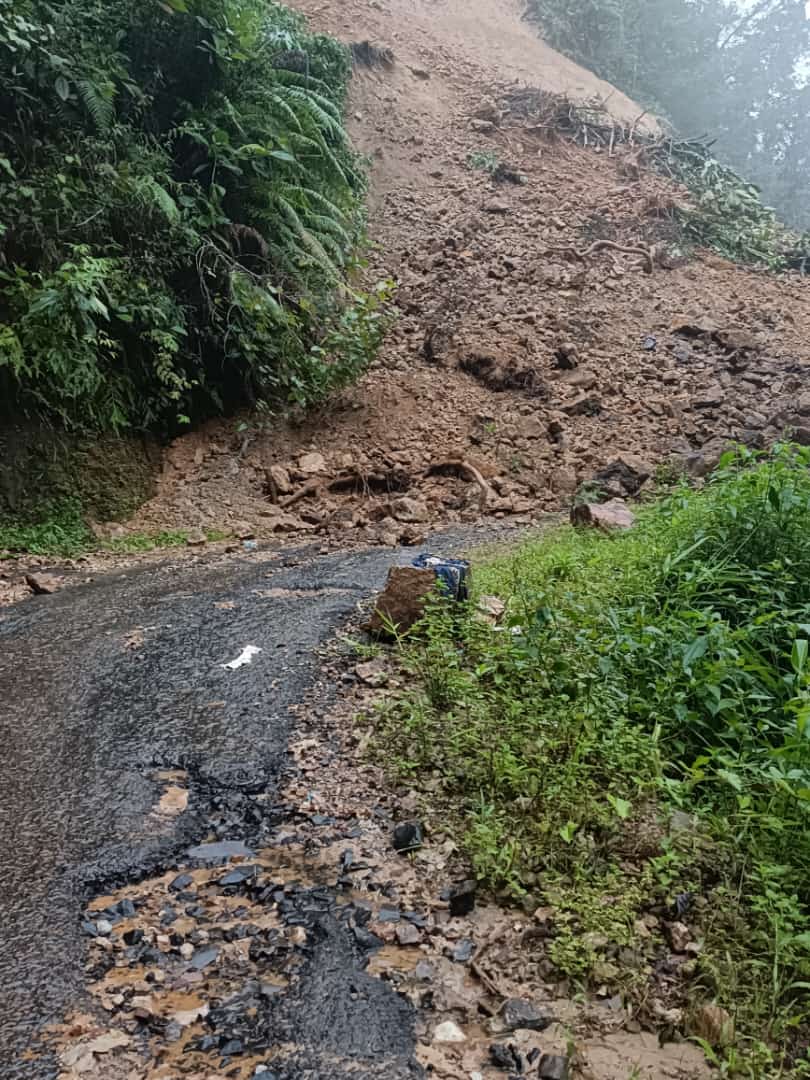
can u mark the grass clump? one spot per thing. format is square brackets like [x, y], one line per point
[59, 529]
[644, 680]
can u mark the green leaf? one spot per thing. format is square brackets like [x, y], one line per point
[731, 778]
[568, 831]
[62, 87]
[694, 651]
[622, 807]
[798, 657]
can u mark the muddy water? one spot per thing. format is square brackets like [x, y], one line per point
[103, 686]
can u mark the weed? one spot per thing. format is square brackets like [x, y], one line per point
[664, 669]
[59, 529]
[135, 542]
[484, 161]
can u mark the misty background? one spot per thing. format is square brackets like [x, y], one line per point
[735, 72]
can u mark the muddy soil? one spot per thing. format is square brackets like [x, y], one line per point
[513, 352]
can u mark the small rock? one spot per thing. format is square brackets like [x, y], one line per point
[491, 608]
[714, 1024]
[679, 936]
[482, 127]
[280, 479]
[219, 849]
[103, 928]
[402, 602]
[187, 950]
[462, 898]
[196, 538]
[564, 481]
[582, 405]
[505, 1057]
[373, 672]
[407, 836]
[553, 1067]
[408, 934]
[181, 882]
[312, 464]
[712, 395]
[410, 510]
[463, 952]
[244, 531]
[43, 584]
[614, 514]
[143, 1006]
[449, 1032]
[496, 206]
[202, 960]
[520, 1014]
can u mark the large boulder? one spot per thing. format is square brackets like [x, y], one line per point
[402, 602]
[614, 514]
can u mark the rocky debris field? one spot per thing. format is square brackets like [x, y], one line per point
[329, 931]
[550, 333]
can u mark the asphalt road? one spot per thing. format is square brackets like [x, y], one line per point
[103, 684]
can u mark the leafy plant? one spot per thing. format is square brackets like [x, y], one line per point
[664, 669]
[181, 211]
[484, 160]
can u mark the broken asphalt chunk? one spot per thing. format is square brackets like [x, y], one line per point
[462, 898]
[553, 1067]
[520, 1014]
[407, 836]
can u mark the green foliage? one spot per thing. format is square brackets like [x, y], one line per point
[485, 160]
[736, 72]
[58, 529]
[667, 666]
[180, 210]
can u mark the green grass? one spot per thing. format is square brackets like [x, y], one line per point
[663, 669]
[137, 542]
[60, 531]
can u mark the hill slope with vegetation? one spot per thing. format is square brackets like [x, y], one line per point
[181, 212]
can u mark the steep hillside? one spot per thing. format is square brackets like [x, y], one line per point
[524, 347]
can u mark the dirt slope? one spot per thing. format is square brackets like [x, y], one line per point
[541, 369]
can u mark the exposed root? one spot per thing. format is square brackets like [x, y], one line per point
[311, 487]
[608, 245]
[465, 469]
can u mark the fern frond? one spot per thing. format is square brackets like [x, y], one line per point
[99, 100]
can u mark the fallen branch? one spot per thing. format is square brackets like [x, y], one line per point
[470, 471]
[311, 487]
[608, 245]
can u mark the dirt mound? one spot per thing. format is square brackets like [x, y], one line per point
[546, 329]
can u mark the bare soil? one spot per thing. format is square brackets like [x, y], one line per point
[511, 352]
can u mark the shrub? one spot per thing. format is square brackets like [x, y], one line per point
[664, 667]
[180, 209]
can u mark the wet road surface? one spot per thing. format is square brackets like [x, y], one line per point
[105, 684]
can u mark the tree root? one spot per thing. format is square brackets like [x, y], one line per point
[465, 469]
[601, 245]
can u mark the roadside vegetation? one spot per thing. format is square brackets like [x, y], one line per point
[182, 213]
[634, 741]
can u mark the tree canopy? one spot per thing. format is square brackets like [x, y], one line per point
[737, 74]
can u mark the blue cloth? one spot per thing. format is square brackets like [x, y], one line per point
[454, 574]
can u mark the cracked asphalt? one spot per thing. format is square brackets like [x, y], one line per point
[103, 684]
